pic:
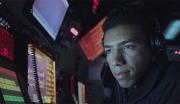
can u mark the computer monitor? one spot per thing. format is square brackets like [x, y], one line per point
[50, 14]
[9, 86]
[46, 76]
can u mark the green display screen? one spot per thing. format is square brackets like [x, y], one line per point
[10, 88]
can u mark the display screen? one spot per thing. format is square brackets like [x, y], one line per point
[46, 76]
[50, 14]
[91, 43]
[10, 88]
[6, 44]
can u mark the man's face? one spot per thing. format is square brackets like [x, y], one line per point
[128, 53]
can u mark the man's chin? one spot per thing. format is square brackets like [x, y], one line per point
[125, 84]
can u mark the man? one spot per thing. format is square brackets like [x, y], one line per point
[141, 75]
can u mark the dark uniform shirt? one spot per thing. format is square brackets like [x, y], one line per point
[161, 85]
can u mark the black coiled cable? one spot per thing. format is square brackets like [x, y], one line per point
[35, 74]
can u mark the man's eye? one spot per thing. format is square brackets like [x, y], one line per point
[129, 47]
[107, 51]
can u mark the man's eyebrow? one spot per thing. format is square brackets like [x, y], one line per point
[121, 43]
[127, 41]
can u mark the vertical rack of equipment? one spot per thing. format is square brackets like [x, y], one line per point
[12, 91]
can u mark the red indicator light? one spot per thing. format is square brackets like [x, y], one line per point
[176, 52]
[95, 5]
[74, 31]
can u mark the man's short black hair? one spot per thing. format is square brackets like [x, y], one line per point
[132, 16]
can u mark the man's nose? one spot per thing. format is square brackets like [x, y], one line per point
[118, 57]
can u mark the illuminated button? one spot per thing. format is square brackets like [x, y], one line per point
[13, 98]
[4, 86]
[74, 31]
[1, 80]
[0, 85]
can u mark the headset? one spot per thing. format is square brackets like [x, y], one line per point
[157, 40]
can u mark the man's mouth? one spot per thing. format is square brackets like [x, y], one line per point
[121, 75]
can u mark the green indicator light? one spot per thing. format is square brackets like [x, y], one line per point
[8, 98]
[12, 83]
[5, 80]
[16, 99]
[1, 80]
[13, 98]
[47, 99]
[3, 86]
[7, 86]
[18, 89]
[12, 88]
[0, 85]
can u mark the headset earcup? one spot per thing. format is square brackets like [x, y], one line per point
[157, 43]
